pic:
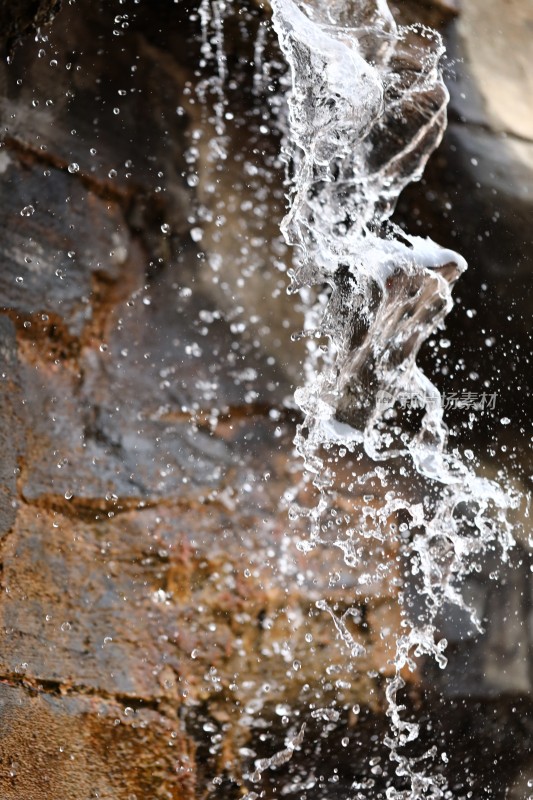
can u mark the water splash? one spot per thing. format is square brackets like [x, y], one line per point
[279, 758]
[366, 109]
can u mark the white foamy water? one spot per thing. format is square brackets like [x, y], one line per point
[367, 107]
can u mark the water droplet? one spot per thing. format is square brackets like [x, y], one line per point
[505, 421]
[73, 167]
[165, 229]
[27, 211]
[69, 495]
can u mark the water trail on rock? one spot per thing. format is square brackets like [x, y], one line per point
[212, 14]
[366, 109]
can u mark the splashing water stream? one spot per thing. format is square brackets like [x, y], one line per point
[366, 109]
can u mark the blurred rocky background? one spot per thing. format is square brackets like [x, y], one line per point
[159, 629]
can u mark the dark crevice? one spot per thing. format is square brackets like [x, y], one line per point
[98, 509]
[56, 688]
[103, 190]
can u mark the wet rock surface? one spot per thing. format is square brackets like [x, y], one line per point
[476, 197]
[76, 746]
[159, 627]
[157, 621]
[18, 20]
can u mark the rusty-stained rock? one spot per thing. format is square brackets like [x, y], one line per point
[73, 746]
[10, 429]
[111, 599]
[202, 609]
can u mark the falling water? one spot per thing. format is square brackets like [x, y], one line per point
[366, 109]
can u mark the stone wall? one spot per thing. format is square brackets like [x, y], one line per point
[159, 627]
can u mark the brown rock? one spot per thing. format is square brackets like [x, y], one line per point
[10, 429]
[55, 260]
[434, 13]
[54, 745]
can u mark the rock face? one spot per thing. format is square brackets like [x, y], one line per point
[492, 132]
[495, 38]
[477, 197]
[159, 628]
